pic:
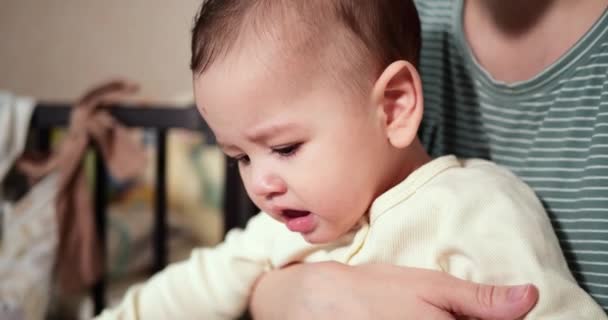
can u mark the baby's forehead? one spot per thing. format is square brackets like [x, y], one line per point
[270, 57]
[254, 71]
[260, 71]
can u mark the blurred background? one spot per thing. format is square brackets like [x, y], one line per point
[56, 50]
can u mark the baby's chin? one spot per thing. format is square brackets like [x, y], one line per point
[316, 240]
[323, 237]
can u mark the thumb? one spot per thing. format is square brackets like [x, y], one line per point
[491, 302]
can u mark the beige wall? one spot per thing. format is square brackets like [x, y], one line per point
[55, 49]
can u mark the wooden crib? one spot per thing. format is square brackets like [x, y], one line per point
[237, 206]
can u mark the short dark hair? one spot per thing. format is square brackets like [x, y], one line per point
[388, 30]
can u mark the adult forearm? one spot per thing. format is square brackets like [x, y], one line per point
[287, 293]
[380, 291]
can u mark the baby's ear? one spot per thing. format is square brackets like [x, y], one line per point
[397, 94]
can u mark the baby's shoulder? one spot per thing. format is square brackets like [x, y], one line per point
[474, 174]
[482, 182]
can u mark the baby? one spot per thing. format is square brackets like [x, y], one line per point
[319, 102]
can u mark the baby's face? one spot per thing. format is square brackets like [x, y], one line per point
[309, 151]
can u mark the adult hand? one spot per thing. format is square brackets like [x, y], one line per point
[379, 291]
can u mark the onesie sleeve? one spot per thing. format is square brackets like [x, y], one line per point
[497, 232]
[214, 283]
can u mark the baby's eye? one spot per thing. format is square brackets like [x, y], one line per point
[287, 150]
[240, 159]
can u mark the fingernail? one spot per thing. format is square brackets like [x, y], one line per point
[517, 293]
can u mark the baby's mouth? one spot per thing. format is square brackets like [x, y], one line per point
[293, 214]
[299, 220]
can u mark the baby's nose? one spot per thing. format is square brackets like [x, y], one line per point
[268, 185]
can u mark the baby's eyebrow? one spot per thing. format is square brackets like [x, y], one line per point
[225, 147]
[264, 132]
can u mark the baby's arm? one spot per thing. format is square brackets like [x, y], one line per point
[211, 284]
[501, 235]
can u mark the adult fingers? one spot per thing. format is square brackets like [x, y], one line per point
[486, 301]
[101, 92]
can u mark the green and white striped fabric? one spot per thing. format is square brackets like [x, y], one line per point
[551, 130]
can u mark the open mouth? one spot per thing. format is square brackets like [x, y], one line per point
[293, 214]
[299, 220]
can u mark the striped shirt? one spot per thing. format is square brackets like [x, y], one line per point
[551, 130]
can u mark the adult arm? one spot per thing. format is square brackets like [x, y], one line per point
[382, 291]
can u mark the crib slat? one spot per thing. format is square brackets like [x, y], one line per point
[101, 204]
[160, 207]
[238, 208]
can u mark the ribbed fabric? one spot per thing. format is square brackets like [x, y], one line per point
[470, 218]
[552, 130]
